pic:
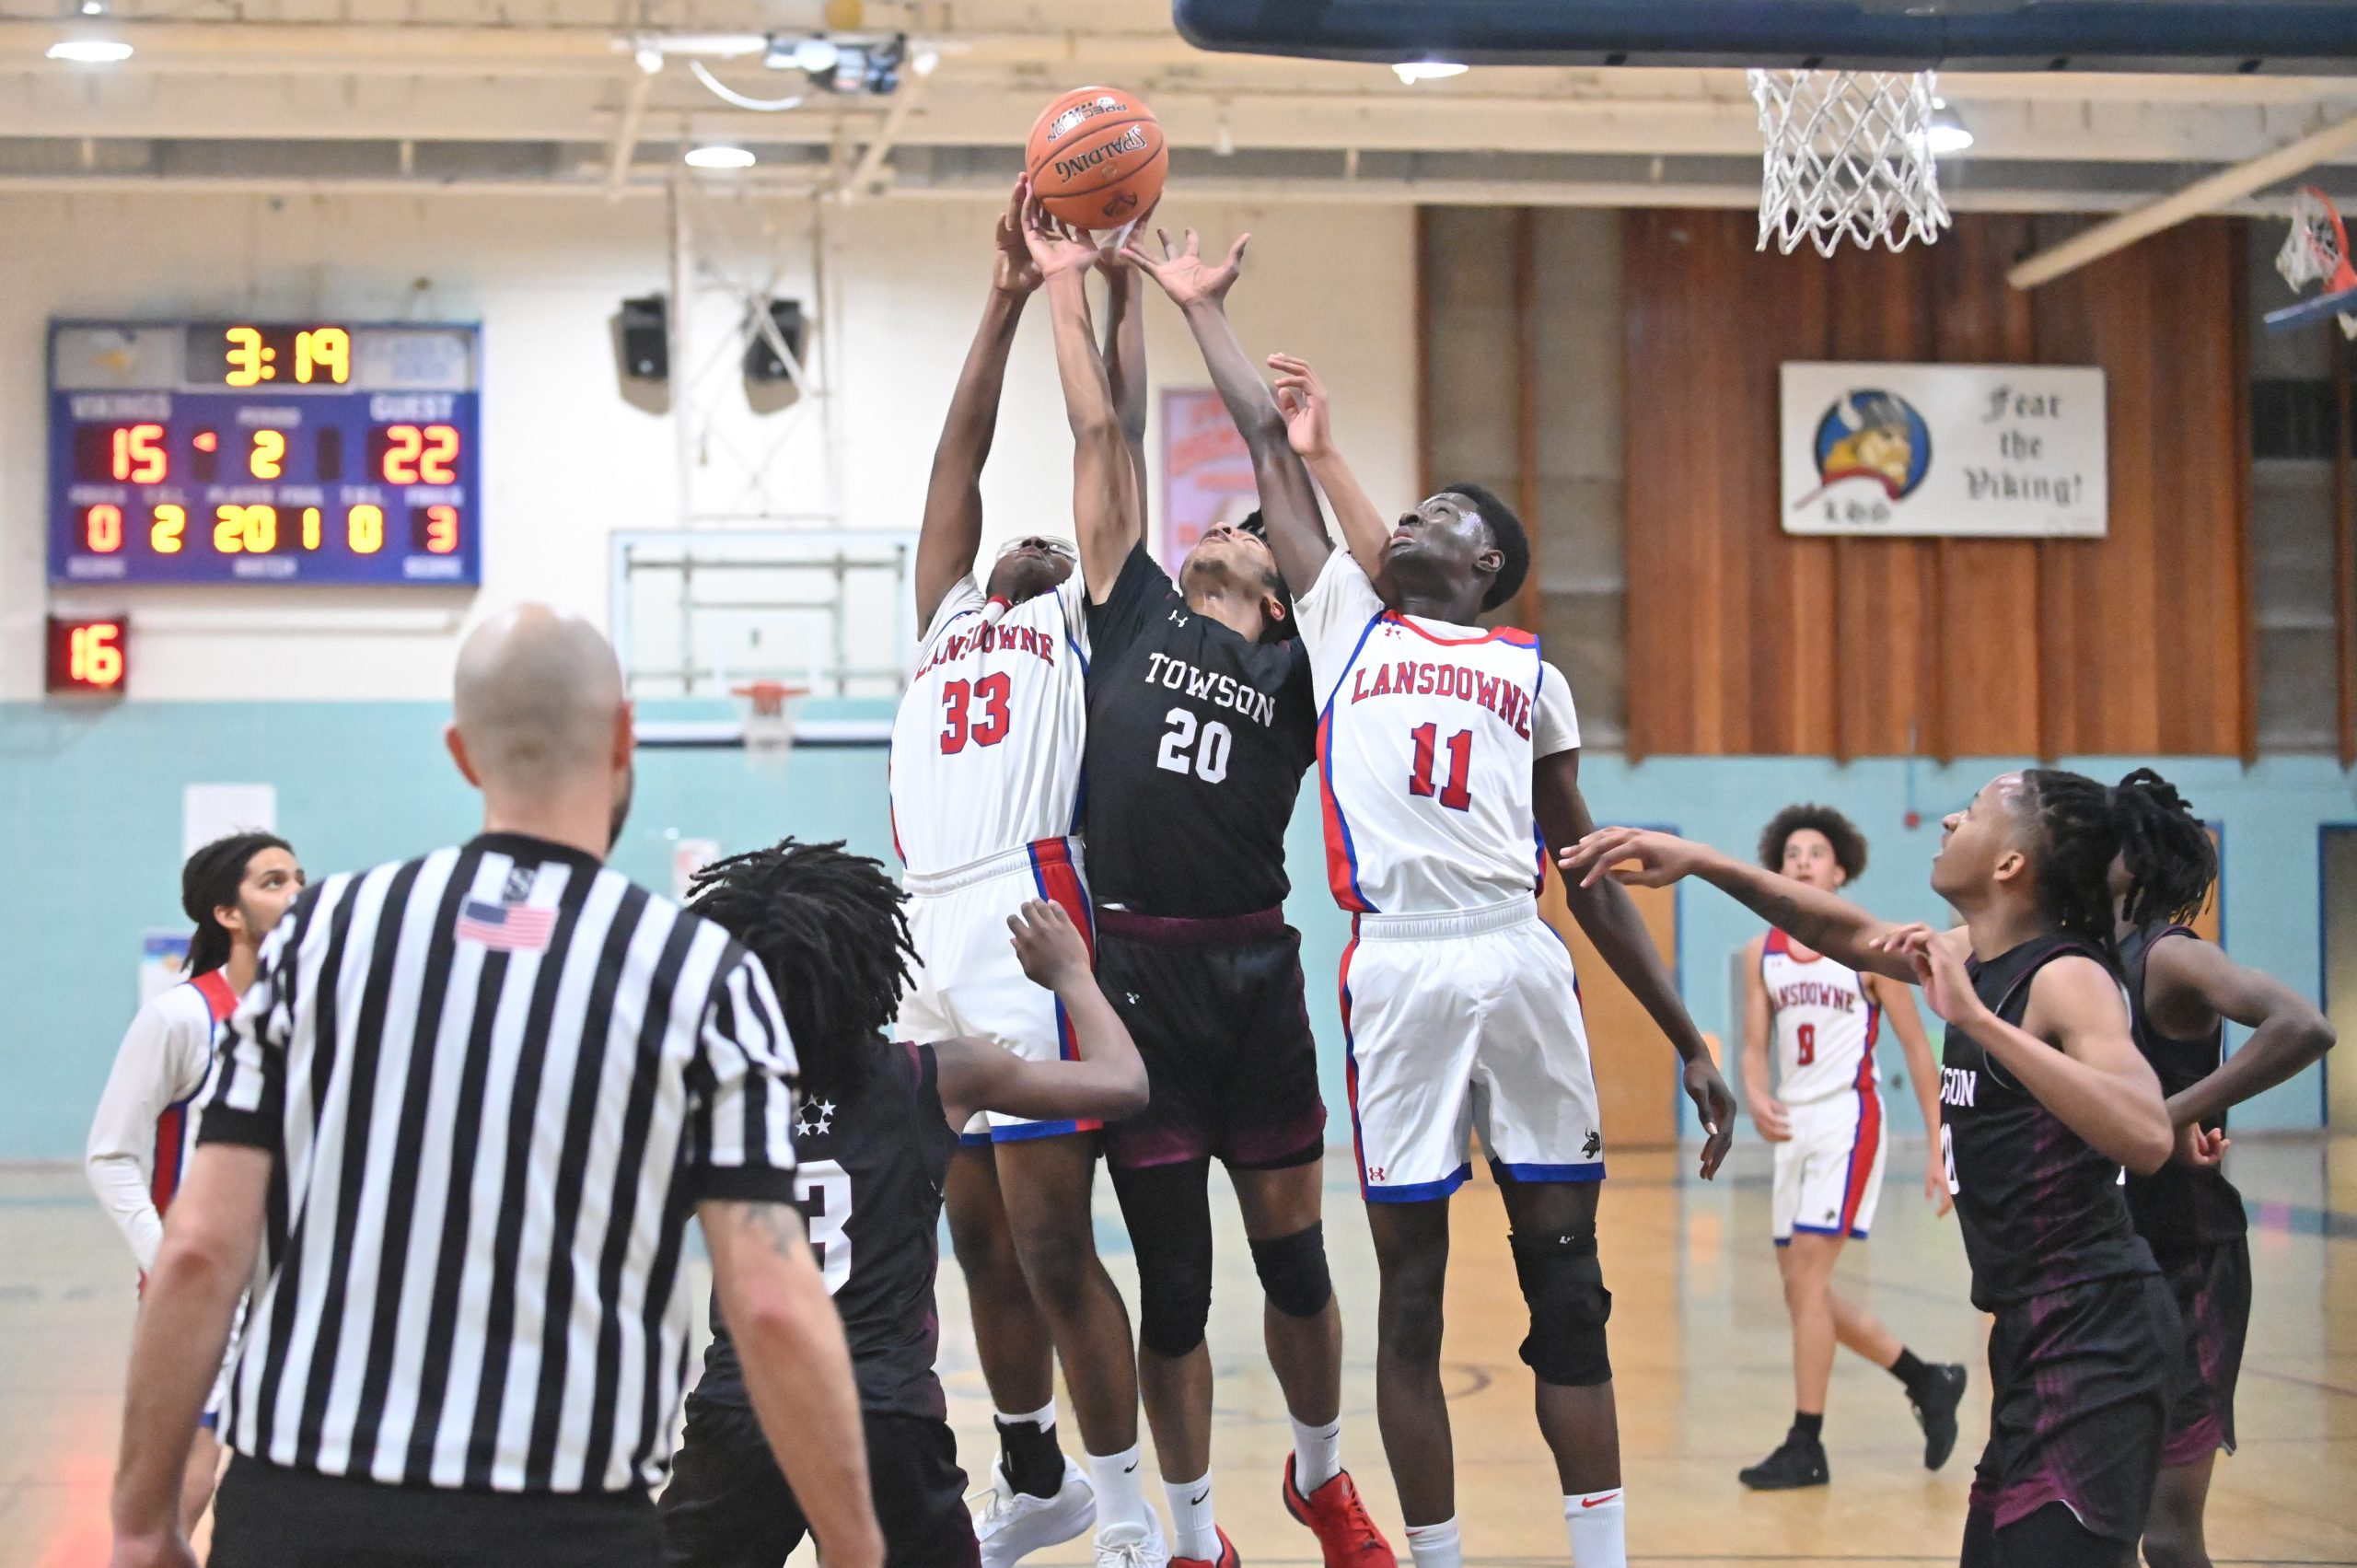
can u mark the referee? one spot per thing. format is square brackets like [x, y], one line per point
[460, 1122]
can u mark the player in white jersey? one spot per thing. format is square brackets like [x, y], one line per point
[986, 796]
[235, 889]
[1448, 757]
[1824, 1115]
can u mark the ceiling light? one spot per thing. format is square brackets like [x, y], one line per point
[816, 54]
[1947, 134]
[90, 50]
[720, 156]
[94, 7]
[927, 62]
[649, 58]
[1414, 70]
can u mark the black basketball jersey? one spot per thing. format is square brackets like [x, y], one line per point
[1196, 741]
[2178, 1208]
[868, 1181]
[2039, 1208]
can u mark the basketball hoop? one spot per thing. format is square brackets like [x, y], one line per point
[1848, 156]
[2317, 252]
[769, 721]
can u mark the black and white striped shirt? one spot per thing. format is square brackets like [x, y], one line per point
[497, 1080]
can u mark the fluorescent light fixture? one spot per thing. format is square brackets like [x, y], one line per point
[720, 156]
[1414, 70]
[90, 50]
[1947, 134]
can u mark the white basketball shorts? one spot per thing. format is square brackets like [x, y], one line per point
[967, 981]
[1829, 1174]
[1463, 1021]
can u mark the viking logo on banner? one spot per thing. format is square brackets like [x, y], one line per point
[1986, 450]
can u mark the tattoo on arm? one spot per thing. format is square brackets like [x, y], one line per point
[1780, 910]
[777, 1226]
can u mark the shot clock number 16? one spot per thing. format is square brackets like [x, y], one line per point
[238, 452]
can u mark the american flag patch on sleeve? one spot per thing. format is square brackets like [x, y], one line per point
[513, 928]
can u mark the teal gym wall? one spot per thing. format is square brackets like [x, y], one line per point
[90, 854]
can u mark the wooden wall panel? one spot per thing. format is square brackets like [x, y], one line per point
[1742, 639]
[1637, 1085]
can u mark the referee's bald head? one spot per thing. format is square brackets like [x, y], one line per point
[539, 708]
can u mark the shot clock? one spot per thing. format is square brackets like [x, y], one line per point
[264, 452]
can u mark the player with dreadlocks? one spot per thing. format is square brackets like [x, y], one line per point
[878, 1124]
[2043, 1097]
[2181, 990]
[235, 889]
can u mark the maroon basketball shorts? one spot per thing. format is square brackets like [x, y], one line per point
[1215, 1007]
[2212, 1287]
[2082, 1380]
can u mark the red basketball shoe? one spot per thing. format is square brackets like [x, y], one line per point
[1226, 1559]
[1345, 1531]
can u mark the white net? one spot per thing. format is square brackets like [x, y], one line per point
[1848, 156]
[2316, 251]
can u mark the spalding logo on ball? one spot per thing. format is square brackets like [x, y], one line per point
[1096, 157]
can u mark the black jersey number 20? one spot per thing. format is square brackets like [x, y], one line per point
[1210, 745]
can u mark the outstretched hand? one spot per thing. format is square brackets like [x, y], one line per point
[1048, 945]
[1055, 247]
[1013, 271]
[1181, 271]
[1639, 857]
[1714, 1103]
[1301, 398]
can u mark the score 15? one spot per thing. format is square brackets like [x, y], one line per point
[88, 656]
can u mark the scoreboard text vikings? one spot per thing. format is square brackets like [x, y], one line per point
[259, 452]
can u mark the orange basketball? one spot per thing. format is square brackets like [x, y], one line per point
[1096, 157]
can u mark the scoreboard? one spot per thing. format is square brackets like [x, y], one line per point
[245, 452]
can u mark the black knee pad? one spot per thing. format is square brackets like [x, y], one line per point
[1175, 1306]
[1569, 1307]
[1292, 1271]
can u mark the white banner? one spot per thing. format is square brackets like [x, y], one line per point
[1985, 449]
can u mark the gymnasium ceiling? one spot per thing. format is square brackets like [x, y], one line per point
[533, 97]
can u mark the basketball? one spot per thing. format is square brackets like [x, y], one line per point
[1096, 157]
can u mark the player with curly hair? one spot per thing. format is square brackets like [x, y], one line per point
[1824, 1114]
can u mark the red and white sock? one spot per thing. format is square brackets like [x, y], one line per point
[1599, 1527]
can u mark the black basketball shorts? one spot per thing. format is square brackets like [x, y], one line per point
[2212, 1288]
[1215, 1007]
[2082, 1380]
[273, 1516]
[728, 1506]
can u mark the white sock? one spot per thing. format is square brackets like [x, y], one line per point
[1317, 1455]
[1121, 1496]
[1436, 1545]
[1599, 1529]
[1192, 1531]
[1043, 1418]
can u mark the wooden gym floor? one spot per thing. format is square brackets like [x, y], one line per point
[1699, 1344]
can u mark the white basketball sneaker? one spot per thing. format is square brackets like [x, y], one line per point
[1132, 1545]
[1012, 1525]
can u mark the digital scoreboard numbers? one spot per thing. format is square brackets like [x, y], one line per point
[264, 452]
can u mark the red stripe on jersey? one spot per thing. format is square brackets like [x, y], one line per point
[1778, 943]
[1513, 636]
[1342, 860]
[219, 999]
[171, 1129]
